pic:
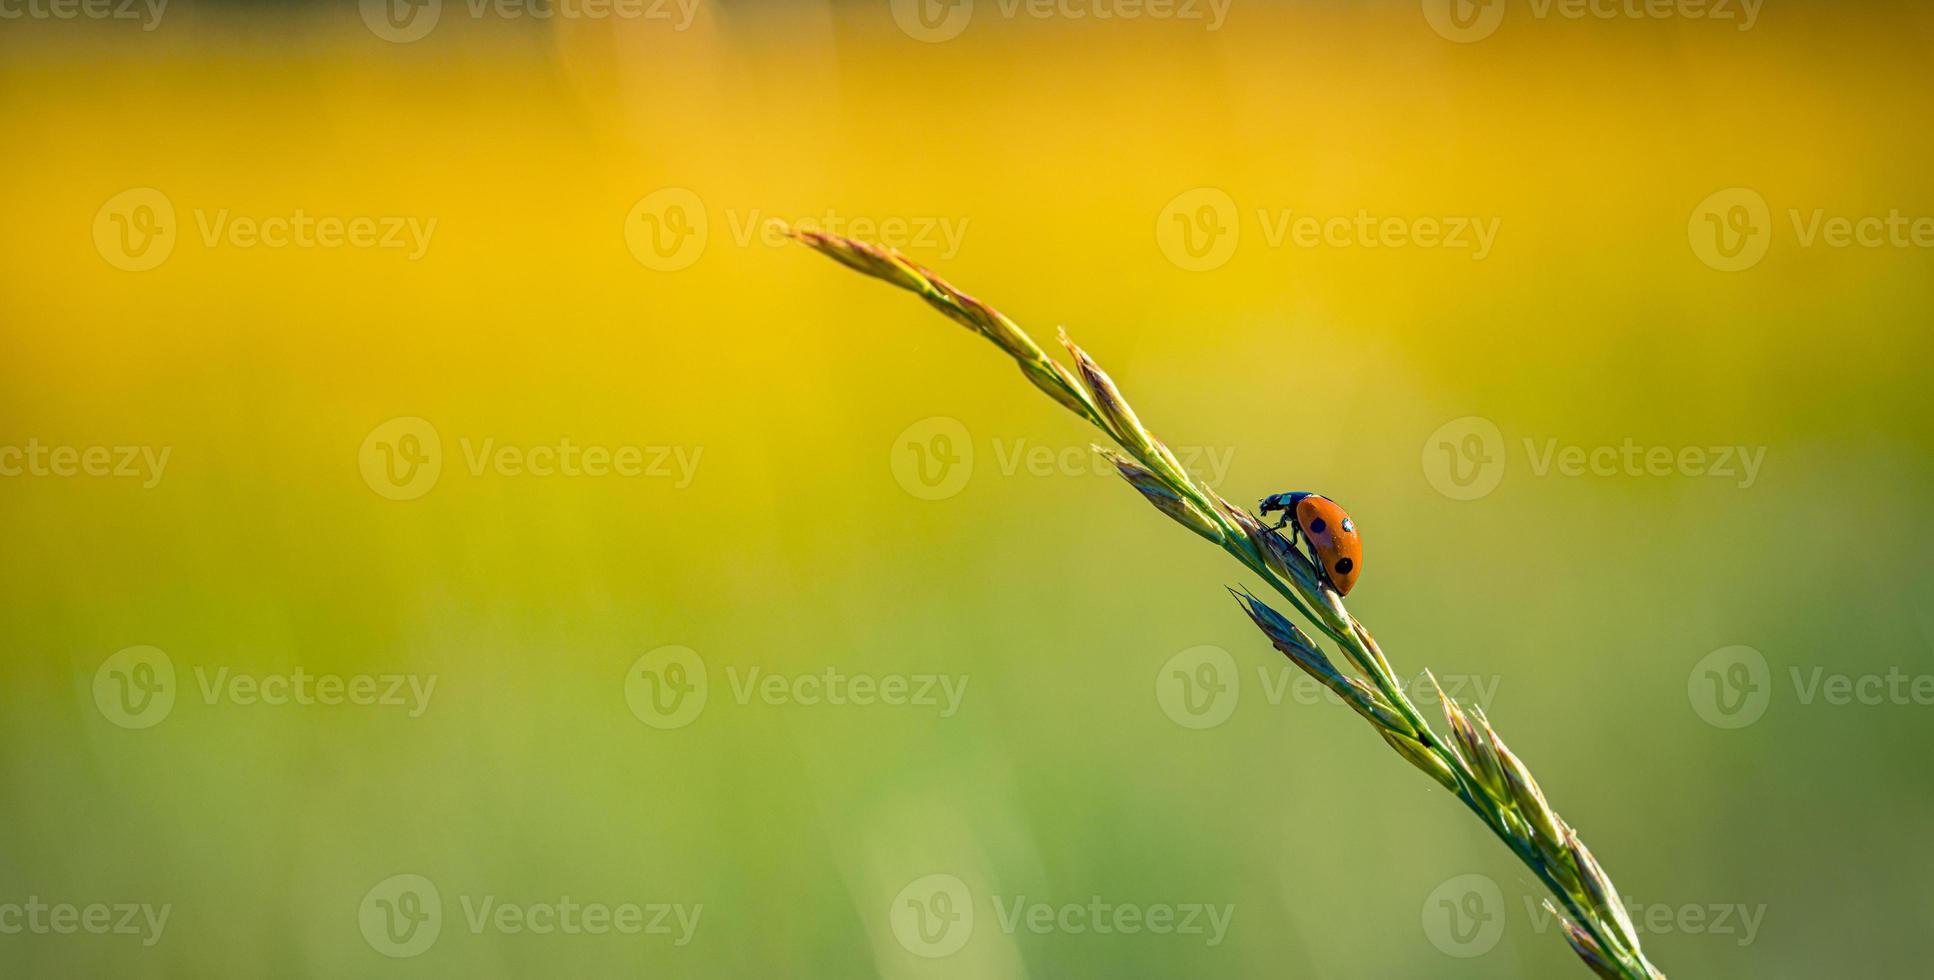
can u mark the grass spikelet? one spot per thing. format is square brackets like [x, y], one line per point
[1479, 752]
[1583, 944]
[1162, 497]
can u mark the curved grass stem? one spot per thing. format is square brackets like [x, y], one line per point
[1475, 765]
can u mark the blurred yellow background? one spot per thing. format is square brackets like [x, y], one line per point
[243, 240]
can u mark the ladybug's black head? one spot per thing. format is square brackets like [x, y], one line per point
[1284, 501]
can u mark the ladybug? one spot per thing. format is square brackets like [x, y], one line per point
[1332, 535]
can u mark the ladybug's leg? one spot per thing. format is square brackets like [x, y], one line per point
[1295, 531]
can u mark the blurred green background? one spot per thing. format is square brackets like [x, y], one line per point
[220, 246]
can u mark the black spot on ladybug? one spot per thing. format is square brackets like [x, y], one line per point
[1343, 566]
[1317, 526]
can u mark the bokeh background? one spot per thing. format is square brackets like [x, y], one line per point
[835, 481]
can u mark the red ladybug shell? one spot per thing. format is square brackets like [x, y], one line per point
[1333, 540]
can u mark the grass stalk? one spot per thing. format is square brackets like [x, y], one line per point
[1474, 763]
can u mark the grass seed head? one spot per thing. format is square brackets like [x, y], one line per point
[1158, 493]
[1477, 750]
[1583, 944]
[1422, 758]
[1604, 894]
[1530, 800]
[1122, 421]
